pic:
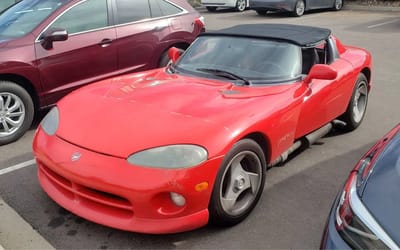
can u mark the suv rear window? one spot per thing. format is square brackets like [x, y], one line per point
[163, 8]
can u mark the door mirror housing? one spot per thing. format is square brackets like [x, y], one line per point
[53, 35]
[174, 54]
[322, 72]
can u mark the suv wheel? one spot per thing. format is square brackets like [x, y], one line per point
[16, 111]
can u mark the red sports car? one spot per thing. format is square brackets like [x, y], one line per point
[171, 149]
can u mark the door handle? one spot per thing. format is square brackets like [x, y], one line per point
[105, 42]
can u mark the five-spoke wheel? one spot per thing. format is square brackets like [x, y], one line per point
[358, 104]
[239, 183]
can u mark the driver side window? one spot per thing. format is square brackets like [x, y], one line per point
[88, 15]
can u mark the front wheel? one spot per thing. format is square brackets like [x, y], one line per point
[240, 5]
[337, 5]
[16, 111]
[299, 8]
[239, 184]
[357, 106]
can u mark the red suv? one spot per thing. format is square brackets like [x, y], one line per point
[50, 47]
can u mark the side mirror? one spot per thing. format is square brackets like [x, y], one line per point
[322, 72]
[174, 54]
[53, 35]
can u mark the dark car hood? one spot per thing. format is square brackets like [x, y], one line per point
[138, 111]
[381, 194]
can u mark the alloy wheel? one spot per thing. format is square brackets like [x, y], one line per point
[241, 182]
[12, 113]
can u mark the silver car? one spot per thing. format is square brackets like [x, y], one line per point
[296, 7]
[212, 5]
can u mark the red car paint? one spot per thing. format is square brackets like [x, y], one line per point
[87, 55]
[139, 111]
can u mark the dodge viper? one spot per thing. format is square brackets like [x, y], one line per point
[173, 149]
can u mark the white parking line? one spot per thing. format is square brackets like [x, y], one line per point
[18, 166]
[381, 24]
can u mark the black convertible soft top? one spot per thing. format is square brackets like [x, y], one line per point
[298, 34]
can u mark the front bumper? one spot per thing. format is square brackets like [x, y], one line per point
[109, 191]
[272, 5]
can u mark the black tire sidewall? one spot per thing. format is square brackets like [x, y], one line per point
[217, 214]
[164, 59]
[11, 87]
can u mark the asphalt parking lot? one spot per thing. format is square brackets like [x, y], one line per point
[297, 196]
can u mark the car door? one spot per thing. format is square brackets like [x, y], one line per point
[325, 99]
[316, 4]
[87, 55]
[140, 34]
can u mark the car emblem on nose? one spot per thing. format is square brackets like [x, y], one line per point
[76, 156]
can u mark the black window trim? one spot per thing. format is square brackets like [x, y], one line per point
[115, 14]
[109, 13]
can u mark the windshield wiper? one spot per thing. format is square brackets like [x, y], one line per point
[224, 73]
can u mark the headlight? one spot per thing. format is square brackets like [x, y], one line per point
[173, 156]
[356, 225]
[50, 122]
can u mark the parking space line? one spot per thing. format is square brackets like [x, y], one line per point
[381, 24]
[18, 166]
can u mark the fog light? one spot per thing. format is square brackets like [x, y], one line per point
[178, 199]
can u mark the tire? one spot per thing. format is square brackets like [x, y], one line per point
[299, 8]
[239, 184]
[357, 106]
[16, 111]
[211, 9]
[337, 5]
[164, 59]
[241, 5]
[261, 12]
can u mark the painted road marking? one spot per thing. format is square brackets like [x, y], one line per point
[381, 24]
[18, 166]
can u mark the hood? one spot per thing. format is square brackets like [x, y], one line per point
[127, 114]
[381, 192]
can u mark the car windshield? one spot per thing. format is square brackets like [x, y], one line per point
[245, 59]
[24, 16]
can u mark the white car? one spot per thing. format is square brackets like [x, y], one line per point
[212, 5]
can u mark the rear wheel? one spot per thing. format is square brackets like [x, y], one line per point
[239, 184]
[211, 9]
[240, 5]
[16, 111]
[337, 5]
[164, 60]
[358, 104]
[299, 8]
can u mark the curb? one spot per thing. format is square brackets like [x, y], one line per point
[360, 7]
[13, 225]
